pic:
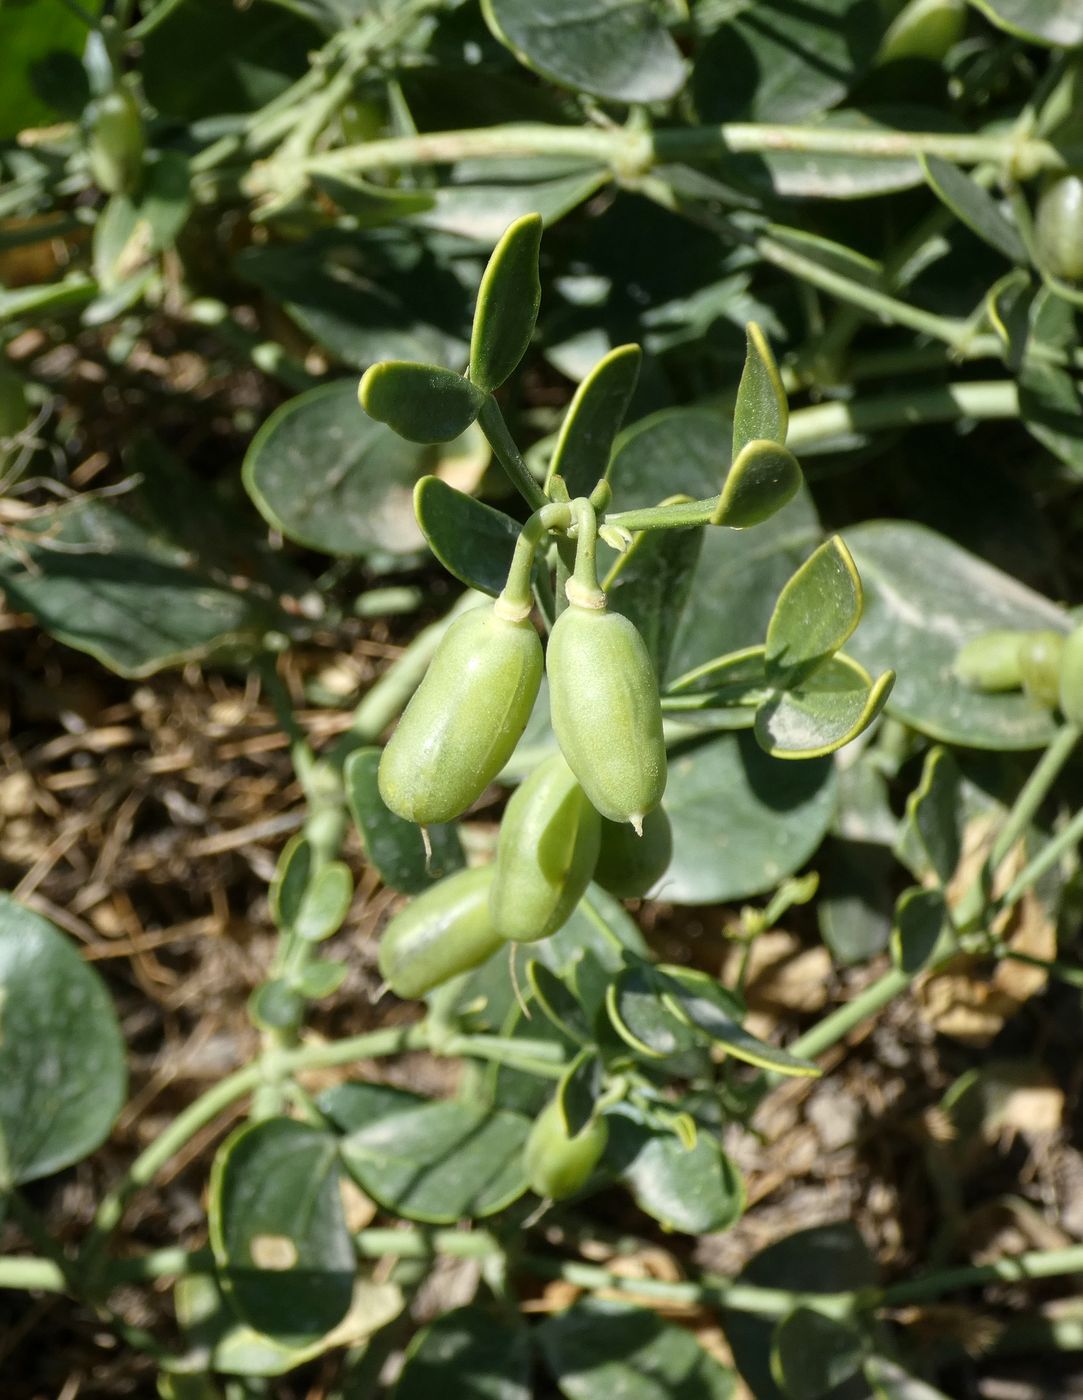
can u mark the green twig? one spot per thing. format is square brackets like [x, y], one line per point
[491, 422]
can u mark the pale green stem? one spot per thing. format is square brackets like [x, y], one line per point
[1043, 1263]
[631, 152]
[1044, 861]
[491, 422]
[840, 1023]
[517, 592]
[585, 572]
[973, 906]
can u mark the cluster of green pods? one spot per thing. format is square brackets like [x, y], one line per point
[1046, 664]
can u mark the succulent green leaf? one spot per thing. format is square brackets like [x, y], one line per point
[473, 541]
[63, 1076]
[925, 598]
[768, 66]
[274, 1005]
[933, 811]
[613, 49]
[742, 820]
[106, 585]
[761, 411]
[821, 713]
[558, 1002]
[701, 1002]
[394, 846]
[440, 1162]
[764, 477]
[641, 1018]
[291, 878]
[471, 1351]
[1058, 23]
[486, 196]
[599, 1347]
[813, 1354]
[650, 584]
[326, 902]
[815, 614]
[686, 1185]
[1007, 305]
[975, 207]
[422, 403]
[1051, 408]
[320, 979]
[508, 301]
[824, 1259]
[278, 1231]
[593, 419]
[577, 1092]
[233, 1348]
[349, 498]
[922, 929]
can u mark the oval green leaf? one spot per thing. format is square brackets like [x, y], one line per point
[615, 49]
[473, 541]
[816, 613]
[742, 821]
[440, 1162]
[593, 419]
[508, 301]
[422, 403]
[693, 1188]
[278, 1230]
[352, 495]
[1058, 23]
[601, 1347]
[764, 477]
[812, 1354]
[925, 597]
[975, 207]
[63, 1076]
[396, 848]
[823, 712]
[471, 1351]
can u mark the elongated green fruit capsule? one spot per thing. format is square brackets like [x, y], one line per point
[545, 854]
[1071, 678]
[1058, 227]
[1039, 665]
[465, 718]
[444, 931]
[603, 700]
[556, 1164]
[991, 662]
[628, 865]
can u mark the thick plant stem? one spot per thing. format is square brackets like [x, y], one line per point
[629, 151]
[1043, 1263]
[1047, 857]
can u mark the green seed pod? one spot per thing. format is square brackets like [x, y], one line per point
[1058, 227]
[1071, 677]
[545, 855]
[558, 1165]
[923, 29]
[628, 865]
[991, 662]
[444, 931]
[116, 143]
[603, 699]
[1039, 665]
[465, 718]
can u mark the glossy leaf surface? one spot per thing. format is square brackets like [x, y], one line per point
[600, 1347]
[593, 419]
[761, 410]
[507, 307]
[925, 597]
[63, 1076]
[821, 713]
[816, 613]
[278, 1229]
[352, 497]
[741, 820]
[763, 478]
[422, 403]
[615, 49]
[473, 541]
[394, 846]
